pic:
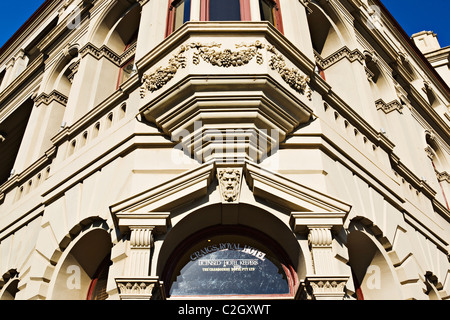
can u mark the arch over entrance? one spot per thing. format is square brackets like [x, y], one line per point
[230, 261]
[83, 269]
[373, 275]
[10, 288]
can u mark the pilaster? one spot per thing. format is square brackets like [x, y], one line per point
[137, 283]
[325, 283]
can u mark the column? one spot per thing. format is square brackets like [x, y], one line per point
[325, 283]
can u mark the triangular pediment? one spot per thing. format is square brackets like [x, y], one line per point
[265, 184]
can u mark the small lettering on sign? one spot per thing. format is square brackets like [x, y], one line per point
[228, 246]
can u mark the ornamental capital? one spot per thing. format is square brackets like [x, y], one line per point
[324, 287]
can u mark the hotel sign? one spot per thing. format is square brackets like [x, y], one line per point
[230, 268]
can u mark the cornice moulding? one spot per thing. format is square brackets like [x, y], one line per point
[50, 9]
[412, 51]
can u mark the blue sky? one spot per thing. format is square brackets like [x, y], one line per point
[412, 15]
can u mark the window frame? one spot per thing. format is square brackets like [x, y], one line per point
[126, 63]
[170, 28]
[238, 230]
[277, 17]
[204, 13]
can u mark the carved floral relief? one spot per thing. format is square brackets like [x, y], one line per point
[226, 58]
[291, 76]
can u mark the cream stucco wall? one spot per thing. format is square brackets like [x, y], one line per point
[349, 191]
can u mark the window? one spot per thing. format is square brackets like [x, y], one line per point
[127, 70]
[239, 10]
[12, 131]
[179, 13]
[230, 261]
[222, 10]
[270, 11]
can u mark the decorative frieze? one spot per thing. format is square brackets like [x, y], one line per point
[228, 58]
[291, 76]
[159, 78]
[324, 287]
[102, 52]
[105, 52]
[49, 98]
[389, 107]
[344, 52]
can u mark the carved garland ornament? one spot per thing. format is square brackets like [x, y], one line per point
[161, 76]
[226, 58]
[291, 76]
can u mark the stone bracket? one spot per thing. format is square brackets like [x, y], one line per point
[303, 222]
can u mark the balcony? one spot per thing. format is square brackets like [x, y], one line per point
[226, 91]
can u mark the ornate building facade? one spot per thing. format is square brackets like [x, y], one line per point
[208, 149]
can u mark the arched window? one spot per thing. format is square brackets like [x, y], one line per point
[83, 271]
[230, 262]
